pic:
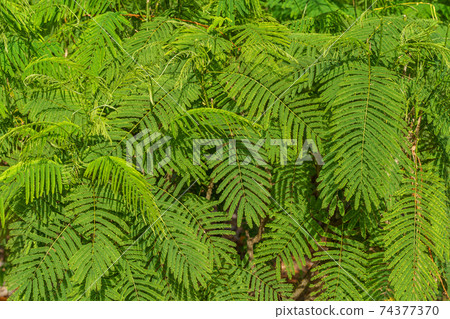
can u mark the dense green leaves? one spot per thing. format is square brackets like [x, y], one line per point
[366, 126]
[417, 231]
[125, 180]
[95, 96]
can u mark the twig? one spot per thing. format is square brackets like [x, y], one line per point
[252, 241]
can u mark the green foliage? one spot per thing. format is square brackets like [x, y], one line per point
[416, 232]
[364, 105]
[368, 83]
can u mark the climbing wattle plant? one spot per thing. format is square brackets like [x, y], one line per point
[366, 82]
